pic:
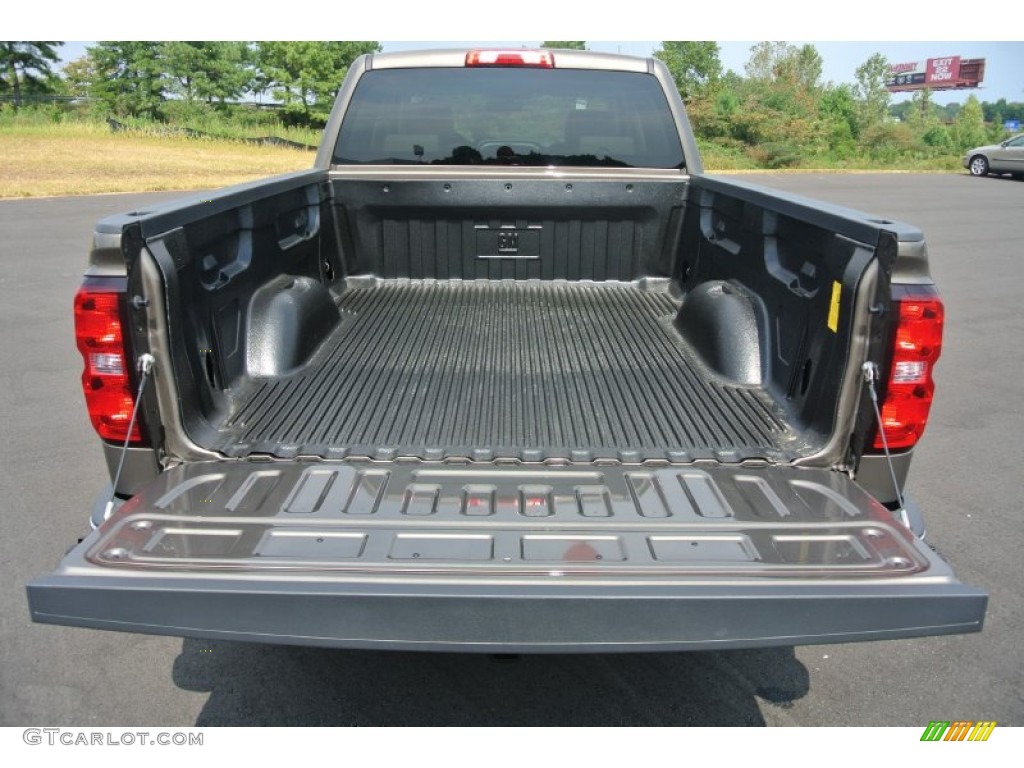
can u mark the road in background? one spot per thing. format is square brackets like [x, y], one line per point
[965, 476]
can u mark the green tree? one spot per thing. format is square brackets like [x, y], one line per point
[948, 112]
[695, 65]
[713, 116]
[306, 75]
[922, 113]
[261, 82]
[996, 114]
[129, 77]
[870, 91]
[937, 136]
[79, 77]
[991, 109]
[208, 70]
[925, 123]
[780, 120]
[574, 45]
[785, 63]
[899, 111]
[182, 60]
[808, 66]
[969, 126]
[726, 103]
[764, 60]
[838, 105]
[888, 142]
[27, 67]
[838, 110]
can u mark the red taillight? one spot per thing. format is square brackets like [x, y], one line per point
[105, 380]
[917, 344]
[510, 58]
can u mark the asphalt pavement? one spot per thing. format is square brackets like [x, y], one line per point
[966, 477]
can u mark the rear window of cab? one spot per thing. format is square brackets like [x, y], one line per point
[509, 116]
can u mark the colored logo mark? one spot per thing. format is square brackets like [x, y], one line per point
[958, 730]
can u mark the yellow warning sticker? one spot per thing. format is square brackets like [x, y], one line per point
[833, 311]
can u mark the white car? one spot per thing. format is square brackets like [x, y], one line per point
[1006, 157]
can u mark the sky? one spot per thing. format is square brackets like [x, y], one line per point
[905, 31]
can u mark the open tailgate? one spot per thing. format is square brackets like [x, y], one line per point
[506, 558]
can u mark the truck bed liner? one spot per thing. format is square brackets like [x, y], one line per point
[496, 369]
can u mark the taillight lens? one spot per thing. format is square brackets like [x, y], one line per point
[917, 345]
[106, 379]
[510, 58]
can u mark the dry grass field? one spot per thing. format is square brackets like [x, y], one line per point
[85, 159]
[47, 159]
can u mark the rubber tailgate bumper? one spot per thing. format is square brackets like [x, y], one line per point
[506, 559]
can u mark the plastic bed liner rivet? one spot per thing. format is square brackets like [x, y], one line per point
[447, 187]
[508, 187]
[386, 188]
[568, 187]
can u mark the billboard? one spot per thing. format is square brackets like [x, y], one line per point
[939, 74]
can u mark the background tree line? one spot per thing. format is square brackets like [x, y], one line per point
[778, 112]
[161, 80]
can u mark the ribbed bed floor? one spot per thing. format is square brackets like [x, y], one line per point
[528, 370]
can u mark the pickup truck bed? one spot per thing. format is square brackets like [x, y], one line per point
[688, 321]
[502, 369]
[505, 371]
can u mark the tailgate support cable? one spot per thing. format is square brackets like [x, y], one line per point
[870, 371]
[145, 365]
